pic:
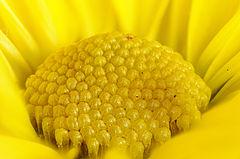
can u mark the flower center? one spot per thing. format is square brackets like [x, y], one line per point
[114, 90]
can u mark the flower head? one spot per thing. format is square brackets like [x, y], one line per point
[85, 74]
[114, 90]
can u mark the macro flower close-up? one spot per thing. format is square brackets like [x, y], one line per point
[113, 79]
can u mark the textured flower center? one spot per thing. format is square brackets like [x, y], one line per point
[114, 90]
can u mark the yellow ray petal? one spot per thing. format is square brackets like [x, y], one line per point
[13, 148]
[6, 68]
[222, 43]
[19, 66]
[14, 119]
[173, 32]
[64, 21]
[222, 75]
[216, 136]
[232, 85]
[230, 49]
[149, 15]
[94, 16]
[156, 22]
[126, 11]
[36, 18]
[115, 154]
[140, 17]
[18, 34]
[207, 18]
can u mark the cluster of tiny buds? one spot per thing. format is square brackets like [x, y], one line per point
[114, 90]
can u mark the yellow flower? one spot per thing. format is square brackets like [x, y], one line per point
[205, 32]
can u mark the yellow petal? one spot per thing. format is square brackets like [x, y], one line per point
[223, 74]
[173, 31]
[93, 16]
[14, 119]
[149, 17]
[223, 45]
[64, 21]
[140, 17]
[115, 154]
[126, 11]
[5, 68]
[232, 85]
[17, 33]
[228, 50]
[206, 19]
[18, 64]
[36, 18]
[216, 136]
[12, 148]
[156, 20]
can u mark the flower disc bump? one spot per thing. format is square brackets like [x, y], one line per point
[114, 90]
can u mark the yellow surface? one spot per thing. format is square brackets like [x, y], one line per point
[112, 90]
[205, 32]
